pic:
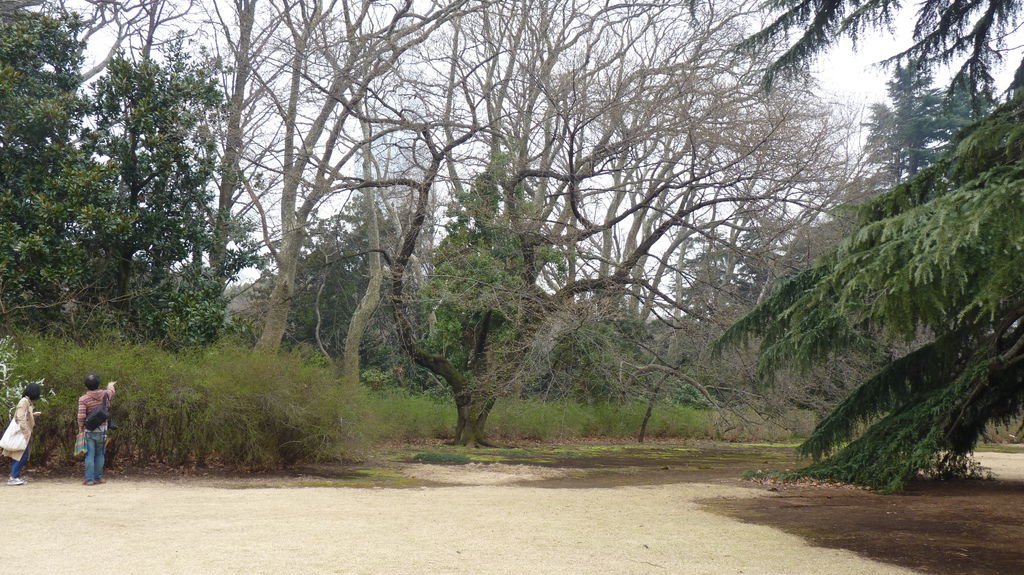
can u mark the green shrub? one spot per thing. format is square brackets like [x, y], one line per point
[402, 416]
[566, 420]
[226, 404]
[222, 404]
[377, 380]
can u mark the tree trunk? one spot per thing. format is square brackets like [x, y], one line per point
[647, 418]
[472, 409]
[653, 399]
[371, 299]
[287, 257]
[231, 168]
[472, 420]
[276, 322]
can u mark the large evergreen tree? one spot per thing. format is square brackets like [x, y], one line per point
[151, 126]
[331, 274]
[105, 216]
[937, 262]
[48, 184]
[917, 125]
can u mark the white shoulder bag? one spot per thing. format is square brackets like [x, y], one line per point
[13, 439]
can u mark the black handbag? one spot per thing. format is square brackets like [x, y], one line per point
[99, 416]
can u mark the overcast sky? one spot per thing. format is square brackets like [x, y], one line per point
[853, 74]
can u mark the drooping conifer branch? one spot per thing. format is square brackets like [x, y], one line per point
[937, 262]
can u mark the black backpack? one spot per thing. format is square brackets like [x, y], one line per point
[99, 416]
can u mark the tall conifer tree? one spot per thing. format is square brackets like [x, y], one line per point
[937, 262]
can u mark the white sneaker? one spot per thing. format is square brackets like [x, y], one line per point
[18, 481]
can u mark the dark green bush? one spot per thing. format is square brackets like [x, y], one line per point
[224, 404]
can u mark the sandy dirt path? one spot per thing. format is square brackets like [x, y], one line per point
[154, 527]
[1005, 466]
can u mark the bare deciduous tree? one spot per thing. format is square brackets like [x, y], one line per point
[240, 38]
[619, 137]
[331, 59]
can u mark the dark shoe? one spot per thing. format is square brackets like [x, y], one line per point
[100, 481]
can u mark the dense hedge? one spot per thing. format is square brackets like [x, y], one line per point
[226, 404]
[222, 404]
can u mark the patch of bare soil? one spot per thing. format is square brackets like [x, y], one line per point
[481, 473]
[589, 509]
[946, 528]
[146, 527]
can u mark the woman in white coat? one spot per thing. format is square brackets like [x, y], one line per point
[26, 419]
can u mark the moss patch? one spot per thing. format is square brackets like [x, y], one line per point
[370, 477]
[442, 458]
[686, 462]
[1000, 448]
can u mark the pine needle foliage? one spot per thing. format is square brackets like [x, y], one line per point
[971, 33]
[936, 263]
